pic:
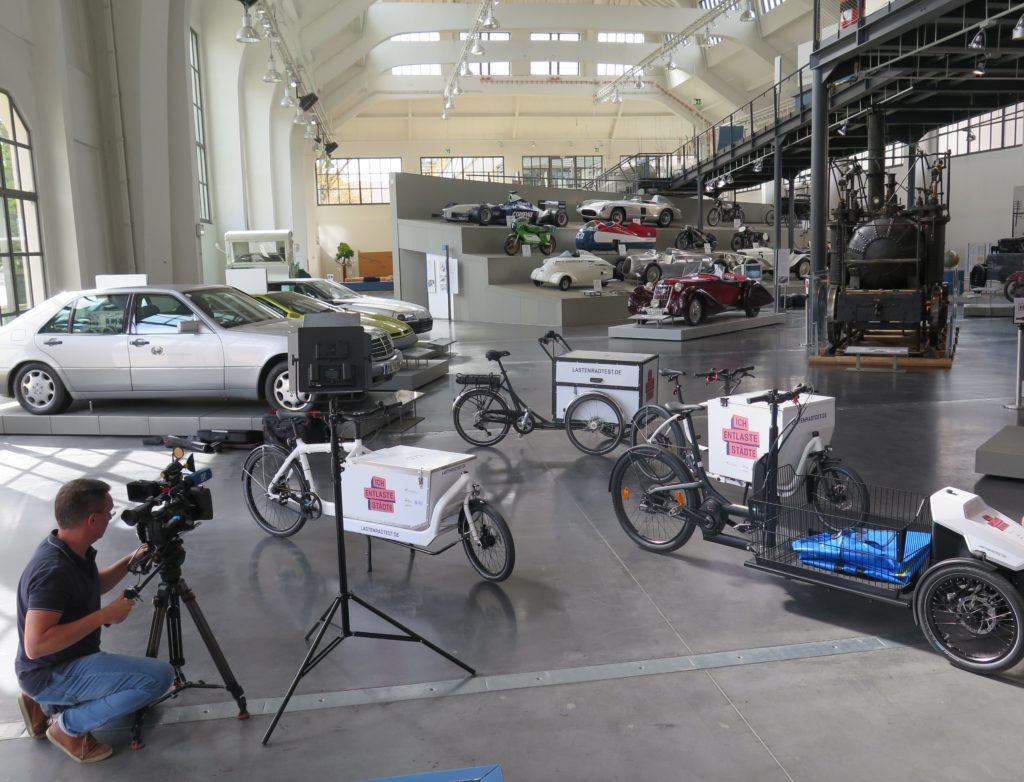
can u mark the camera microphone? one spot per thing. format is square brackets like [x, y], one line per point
[199, 476]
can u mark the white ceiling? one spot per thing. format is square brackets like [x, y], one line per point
[347, 57]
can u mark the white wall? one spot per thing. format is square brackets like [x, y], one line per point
[981, 197]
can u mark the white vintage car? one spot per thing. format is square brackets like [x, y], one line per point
[568, 269]
[656, 209]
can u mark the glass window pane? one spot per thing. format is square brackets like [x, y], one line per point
[20, 131]
[14, 225]
[9, 173]
[19, 276]
[6, 128]
[35, 267]
[7, 297]
[31, 215]
[28, 181]
[5, 246]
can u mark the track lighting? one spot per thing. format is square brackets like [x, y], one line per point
[979, 40]
[464, 68]
[979, 66]
[721, 183]
[476, 49]
[670, 63]
[449, 103]
[844, 128]
[748, 13]
[639, 84]
[247, 33]
[970, 135]
[616, 98]
[1018, 29]
[456, 89]
[306, 102]
[288, 100]
[490, 22]
[728, 179]
[300, 116]
[329, 148]
[759, 165]
[685, 41]
[310, 129]
[273, 75]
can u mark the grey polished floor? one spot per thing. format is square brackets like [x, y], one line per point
[596, 660]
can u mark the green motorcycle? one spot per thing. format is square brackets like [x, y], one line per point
[523, 232]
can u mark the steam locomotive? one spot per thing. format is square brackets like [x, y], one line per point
[886, 275]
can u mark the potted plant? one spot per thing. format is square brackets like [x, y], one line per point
[343, 257]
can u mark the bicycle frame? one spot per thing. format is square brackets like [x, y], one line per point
[443, 516]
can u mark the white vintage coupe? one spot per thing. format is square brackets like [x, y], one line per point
[568, 269]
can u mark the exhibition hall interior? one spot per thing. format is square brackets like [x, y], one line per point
[512, 389]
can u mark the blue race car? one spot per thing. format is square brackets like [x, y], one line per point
[546, 213]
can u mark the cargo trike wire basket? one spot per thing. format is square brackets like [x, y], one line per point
[879, 547]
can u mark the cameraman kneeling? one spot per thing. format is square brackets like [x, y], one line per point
[59, 662]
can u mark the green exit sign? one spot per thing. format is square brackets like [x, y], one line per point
[696, 101]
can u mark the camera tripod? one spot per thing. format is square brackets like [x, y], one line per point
[172, 592]
[345, 596]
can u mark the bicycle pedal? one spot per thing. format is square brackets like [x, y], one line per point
[743, 528]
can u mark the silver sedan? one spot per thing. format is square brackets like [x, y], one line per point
[155, 342]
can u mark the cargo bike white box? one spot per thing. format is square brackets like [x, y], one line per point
[629, 379]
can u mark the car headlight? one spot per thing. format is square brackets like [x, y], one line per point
[678, 287]
[649, 286]
[406, 316]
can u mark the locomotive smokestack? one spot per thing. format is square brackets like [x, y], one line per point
[876, 158]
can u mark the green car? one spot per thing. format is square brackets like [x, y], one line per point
[295, 305]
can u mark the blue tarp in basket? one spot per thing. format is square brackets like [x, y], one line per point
[871, 553]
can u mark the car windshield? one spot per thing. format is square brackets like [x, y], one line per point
[695, 267]
[229, 308]
[303, 305]
[332, 290]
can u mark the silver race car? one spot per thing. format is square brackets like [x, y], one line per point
[656, 209]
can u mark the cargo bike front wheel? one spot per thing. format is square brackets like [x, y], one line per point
[487, 541]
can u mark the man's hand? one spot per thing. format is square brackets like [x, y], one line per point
[138, 555]
[117, 610]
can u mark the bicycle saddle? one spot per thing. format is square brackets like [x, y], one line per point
[494, 355]
[671, 374]
[679, 407]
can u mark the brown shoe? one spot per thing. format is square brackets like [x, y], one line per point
[34, 716]
[82, 749]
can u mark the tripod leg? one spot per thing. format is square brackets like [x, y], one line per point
[152, 650]
[230, 683]
[325, 622]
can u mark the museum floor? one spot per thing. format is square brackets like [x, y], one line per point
[597, 660]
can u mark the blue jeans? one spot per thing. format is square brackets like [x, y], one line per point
[98, 688]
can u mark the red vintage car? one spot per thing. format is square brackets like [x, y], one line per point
[696, 295]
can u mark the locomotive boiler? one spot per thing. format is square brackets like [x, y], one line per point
[886, 275]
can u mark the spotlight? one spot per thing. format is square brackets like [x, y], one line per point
[748, 13]
[970, 135]
[476, 49]
[329, 147]
[456, 89]
[759, 166]
[449, 103]
[721, 183]
[273, 75]
[287, 100]
[490, 22]
[444, 113]
[670, 63]
[300, 117]
[978, 41]
[728, 179]
[616, 98]
[247, 33]
[844, 128]
[310, 129]
[306, 102]
[685, 41]
[639, 81]
[979, 66]
[1018, 29]
[464, 68]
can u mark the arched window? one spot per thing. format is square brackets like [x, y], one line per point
[22, 283]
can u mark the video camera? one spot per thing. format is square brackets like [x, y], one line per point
[172, 505]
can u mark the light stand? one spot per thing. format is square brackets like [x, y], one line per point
[345, 596]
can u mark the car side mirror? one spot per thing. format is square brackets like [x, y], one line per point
[188, 326]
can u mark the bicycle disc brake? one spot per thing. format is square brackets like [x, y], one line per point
[525, 423]
[311, 505]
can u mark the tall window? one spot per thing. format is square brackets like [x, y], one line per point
[355, 180]
[620, 38]
[482, 168]
[203, 174]
[487, 36]
[545, 68]
[611, 68]
[768, 5]
[21, 254]
[560, 170]
[489, 68]
[995, 130]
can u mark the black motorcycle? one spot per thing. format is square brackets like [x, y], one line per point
[689, 237]
[725, 210]
[744, 239]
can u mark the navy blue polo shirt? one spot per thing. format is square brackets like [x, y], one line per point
[56, 579]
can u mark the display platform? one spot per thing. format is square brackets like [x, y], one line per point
[1002, 454]
[184, 417]
[725, 323]
[415, 374]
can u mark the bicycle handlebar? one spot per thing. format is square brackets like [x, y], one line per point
[775, 397]
[714, 375]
